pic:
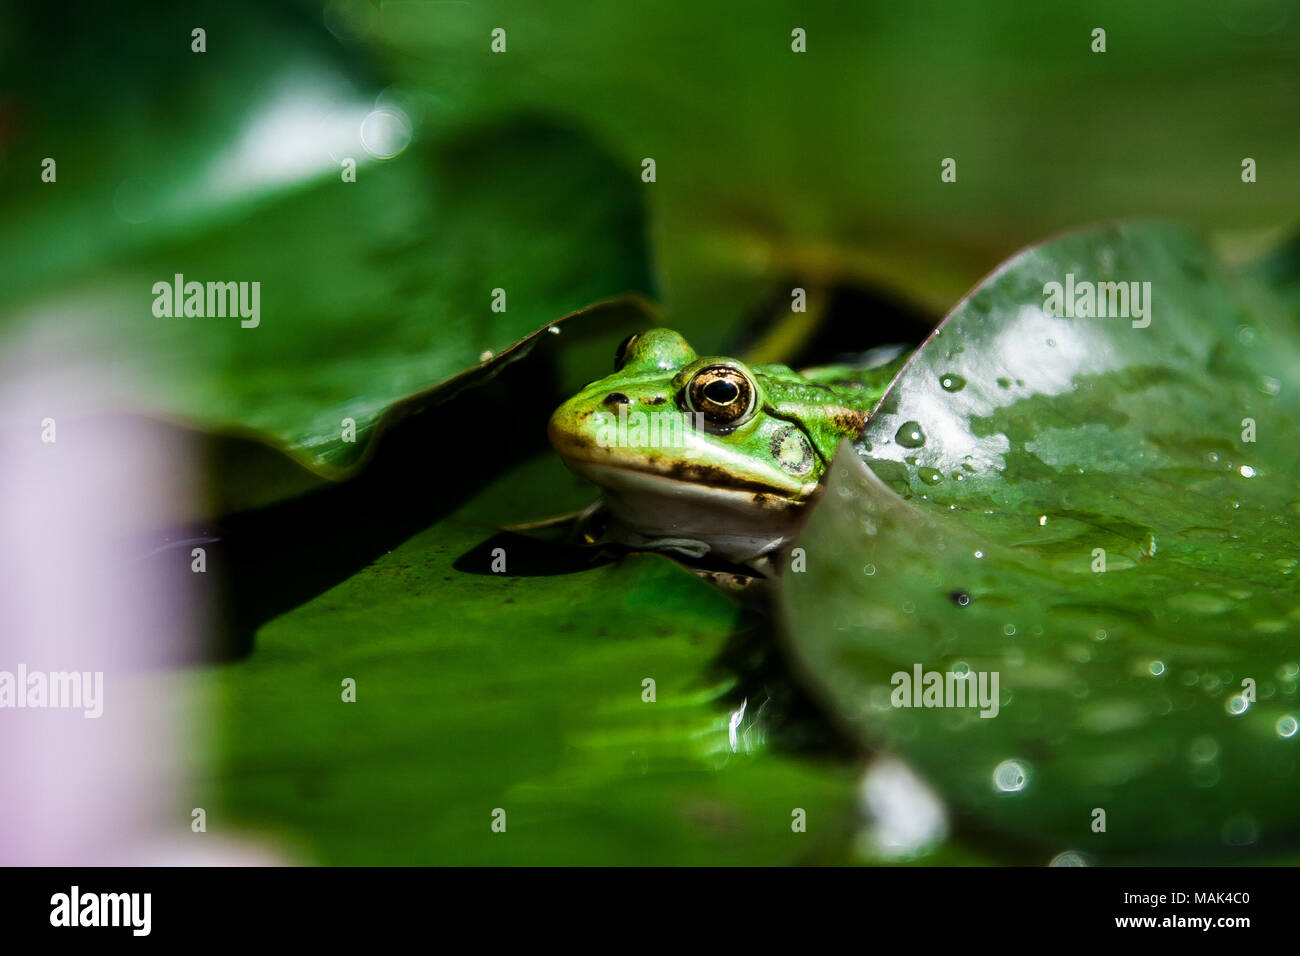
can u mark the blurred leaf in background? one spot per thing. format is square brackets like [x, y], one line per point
[826, 164]
[370, 291]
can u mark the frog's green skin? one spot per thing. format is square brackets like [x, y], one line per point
[730, 488]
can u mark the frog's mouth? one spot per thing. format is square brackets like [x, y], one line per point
[691, 481]
[728, 476]
[730, 506]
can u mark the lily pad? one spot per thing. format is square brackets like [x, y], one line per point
[520, 689]
[1102, 512]
[250, 470]
[370, 292]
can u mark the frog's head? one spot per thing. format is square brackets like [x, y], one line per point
[690, 448]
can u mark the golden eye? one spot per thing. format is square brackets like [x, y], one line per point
[620, 354]
[724, 395]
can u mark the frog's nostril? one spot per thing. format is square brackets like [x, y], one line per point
[617, 398]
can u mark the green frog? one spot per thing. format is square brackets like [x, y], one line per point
[706, 455]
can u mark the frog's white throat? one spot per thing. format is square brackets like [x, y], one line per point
[660, 512]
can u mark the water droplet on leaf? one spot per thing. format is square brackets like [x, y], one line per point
[909, 435]
[1010, 776]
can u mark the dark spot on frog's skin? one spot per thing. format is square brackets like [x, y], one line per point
[774, 502]
[658, 400]
[617, 398]
[791, 450]
[850, 421]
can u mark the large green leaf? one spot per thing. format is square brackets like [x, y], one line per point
[370, 291]
[1013, 451]
[252, 470]
[519, 690]
[226, 166]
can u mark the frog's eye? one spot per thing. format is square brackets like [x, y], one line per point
[723, 394]
[620, 354]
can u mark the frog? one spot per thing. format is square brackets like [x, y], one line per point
[707, 455]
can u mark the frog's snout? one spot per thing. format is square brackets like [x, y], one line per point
[564, 429]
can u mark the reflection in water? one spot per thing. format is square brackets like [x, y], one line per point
[1010, 776]
[310, 124]
[906, 816]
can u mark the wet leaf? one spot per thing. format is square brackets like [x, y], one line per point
[370, 292]
[1011, 456]
[522, 690]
